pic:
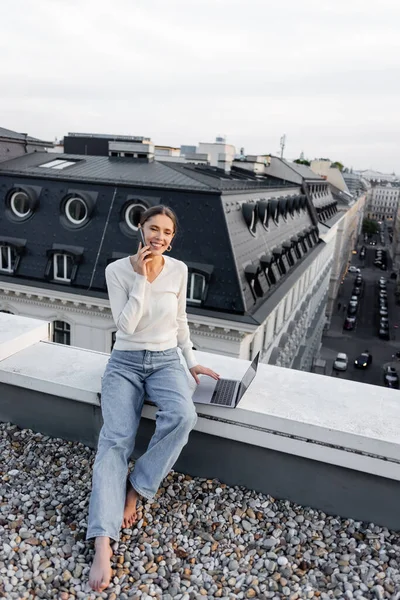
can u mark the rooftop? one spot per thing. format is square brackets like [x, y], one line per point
[128, 171]
[234, 519]
[15, 135]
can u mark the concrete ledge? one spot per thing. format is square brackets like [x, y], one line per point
[333, 489]
[329, 443]
[17, 333]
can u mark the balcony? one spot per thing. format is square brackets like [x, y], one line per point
[237, 523]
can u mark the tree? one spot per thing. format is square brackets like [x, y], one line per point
[302, 161]
[370, 227]
[338, 165]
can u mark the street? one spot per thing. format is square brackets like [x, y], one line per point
[365, 335]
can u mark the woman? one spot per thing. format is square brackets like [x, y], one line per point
[147, 294]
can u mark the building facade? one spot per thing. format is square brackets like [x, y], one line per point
[383, 202]
[259, 266]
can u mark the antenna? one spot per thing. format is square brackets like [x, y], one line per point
[283, 143]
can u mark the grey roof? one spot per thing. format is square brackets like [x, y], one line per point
[128, 171]
[303, 170]
[8, 133]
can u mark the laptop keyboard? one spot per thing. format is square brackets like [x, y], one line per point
[223, 392]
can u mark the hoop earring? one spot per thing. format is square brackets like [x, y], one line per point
[169, 248]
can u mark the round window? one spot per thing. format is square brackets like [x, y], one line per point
[19, 204]
[133, 213]
[76, 211]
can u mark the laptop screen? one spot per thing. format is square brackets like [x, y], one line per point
[248, 377]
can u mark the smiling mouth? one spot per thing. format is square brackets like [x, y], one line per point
[156, 246]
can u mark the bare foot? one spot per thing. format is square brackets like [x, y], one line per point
[130, 506]
[100, 573]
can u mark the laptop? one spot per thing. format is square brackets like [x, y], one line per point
[225, 392]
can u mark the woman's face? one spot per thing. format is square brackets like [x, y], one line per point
[158, 232]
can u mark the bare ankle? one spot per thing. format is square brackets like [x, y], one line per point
[102, 543]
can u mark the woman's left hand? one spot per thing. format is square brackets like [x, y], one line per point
[200, 370]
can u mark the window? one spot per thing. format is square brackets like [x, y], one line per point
[76, 211]
[20, 205]
[59, 163]
[62, 333]
[7, 259]
[132, 215]
[62, 267]
[195, 287]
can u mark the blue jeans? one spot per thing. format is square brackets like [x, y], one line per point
[130, 375]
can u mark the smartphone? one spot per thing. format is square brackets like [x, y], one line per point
[141, 237]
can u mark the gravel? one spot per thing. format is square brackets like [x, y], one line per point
[199, 539]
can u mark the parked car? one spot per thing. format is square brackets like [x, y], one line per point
[352, 310]
[382, 294]
[364, 360]
[353, 299]
[349, 323]
[383, 311]
[356, 291]
[354, 269]
[390, 377]
[382, 280]
[341, 362]
[384, 333]
[383, 323]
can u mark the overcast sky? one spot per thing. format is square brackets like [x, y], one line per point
[327, 74]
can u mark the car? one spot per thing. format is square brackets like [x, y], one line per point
[341, 362]
[356, 291]
[354, 269]
[382, 280]
[353, 299]
[384, 334]
[383, 311]
[382, 286]
[384, 320]
[382, 294]
[349, 323]
[364, 360]
[390, 378]
[352, 310]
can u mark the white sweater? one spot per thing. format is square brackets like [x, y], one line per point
[150, 316]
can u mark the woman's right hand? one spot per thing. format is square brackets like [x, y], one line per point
[139, 261]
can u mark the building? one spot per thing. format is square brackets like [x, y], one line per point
[383, 202]
[13, 144]
[348, 228]
[354, 181]
[258, 268]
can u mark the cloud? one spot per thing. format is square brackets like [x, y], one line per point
[325, 74]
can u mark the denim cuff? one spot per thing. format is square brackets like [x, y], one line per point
[139, 491]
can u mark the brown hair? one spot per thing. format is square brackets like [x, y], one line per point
[160, 209]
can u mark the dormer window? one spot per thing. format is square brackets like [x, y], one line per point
[63, 262]
[20, 205]
[199, 277]
[196, 287]
[21, 202]
[11, 250]
[7, 259]
[62, 267]
[251, 273]
[250, 215]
